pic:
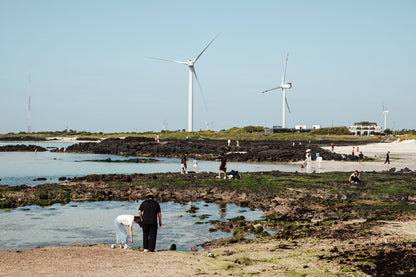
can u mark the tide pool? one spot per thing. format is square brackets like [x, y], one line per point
[93, 223]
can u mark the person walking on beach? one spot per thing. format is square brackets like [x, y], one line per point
[184, 169]
[223, 166]
[121, 222]
[149, 212]
[387, 158]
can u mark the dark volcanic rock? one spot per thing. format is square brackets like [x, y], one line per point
[22, 148]
[256, 151]
[22, 138]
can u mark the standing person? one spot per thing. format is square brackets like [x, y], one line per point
[358, 149]
[361, 157]
[387, 158]
[237, 144]
[149, 211]
[121, 222]
[308, 158]
[223, 166]
[183, 164]
[229, 143]
[352, 153]
[332, 147]
[157, 139]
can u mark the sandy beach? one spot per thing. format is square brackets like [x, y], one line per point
[402, 155]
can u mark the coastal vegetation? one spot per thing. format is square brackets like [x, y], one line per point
[235, 133]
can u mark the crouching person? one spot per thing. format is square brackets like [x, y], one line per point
[121, 223]
[355, 177]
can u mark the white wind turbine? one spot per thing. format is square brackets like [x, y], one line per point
[190, 64]
[385, 112]
[283, 86]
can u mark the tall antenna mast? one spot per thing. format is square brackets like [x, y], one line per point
[29, 130]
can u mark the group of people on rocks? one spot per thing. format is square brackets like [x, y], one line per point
[149, 215]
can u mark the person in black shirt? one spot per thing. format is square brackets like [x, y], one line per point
[183, 164]
[149, 211]
[387, 161]
[361, 157]
[223, 166]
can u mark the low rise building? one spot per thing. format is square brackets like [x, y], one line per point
[365, 128]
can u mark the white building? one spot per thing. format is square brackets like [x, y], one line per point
[300, 127]
[365, 128]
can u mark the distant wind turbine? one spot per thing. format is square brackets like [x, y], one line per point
[29, 128]
[283, 86]
[190, 64]
[385, 112]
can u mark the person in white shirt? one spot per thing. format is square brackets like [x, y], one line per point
[121, 223]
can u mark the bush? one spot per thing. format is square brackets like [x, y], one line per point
[332, 131]
[252, 129]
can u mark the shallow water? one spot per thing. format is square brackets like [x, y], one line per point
[17, 168]
[93, 223]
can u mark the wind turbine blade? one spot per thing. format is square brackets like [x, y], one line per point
[167, 60]
[199, 85]
[287, 105]
[271, 89]
[284, 73]
[204, 49]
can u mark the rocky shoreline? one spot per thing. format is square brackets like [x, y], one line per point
[299, 208]
[247, 151]
[22, 148]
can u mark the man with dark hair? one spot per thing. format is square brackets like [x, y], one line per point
[149, 211]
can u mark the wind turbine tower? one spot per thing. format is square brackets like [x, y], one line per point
[190, 64]
[29, 130]
[385, 112]
[283, 86]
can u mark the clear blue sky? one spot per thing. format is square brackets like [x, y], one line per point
[90, 70]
